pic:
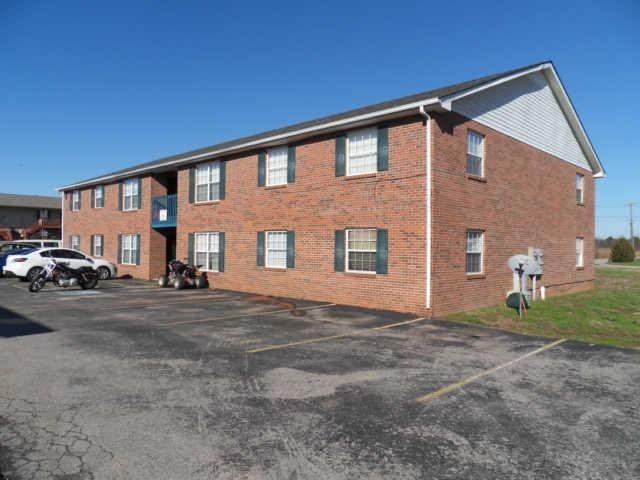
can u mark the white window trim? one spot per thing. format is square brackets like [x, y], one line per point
[93, 247]
[348, 156]
[286, 171]
[75, 237]
[134, 239]
[266, 249]
[195, 249]
[580, 178]
[481, 252]
[75, 201]
[580, 252]
[482, 153]
[132, 182]
[99, 188]
[209, 166]
[347, 250]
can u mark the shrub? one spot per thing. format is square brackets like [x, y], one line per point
[622, 251]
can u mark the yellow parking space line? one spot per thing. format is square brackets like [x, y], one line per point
[255, 314]
[332, 337]
[455, 386]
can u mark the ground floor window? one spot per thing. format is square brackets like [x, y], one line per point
[276, 243]
[474, 251]
[207, 251]
[74, 242]
[130, 249]
[98, 245]
[579, 252]
[362, 250]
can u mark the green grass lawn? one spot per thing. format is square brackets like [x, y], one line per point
[610, 314]
[635, 263]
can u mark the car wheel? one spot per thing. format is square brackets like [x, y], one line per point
[104, 273]
[33, 273]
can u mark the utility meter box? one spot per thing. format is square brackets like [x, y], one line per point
[538, 256]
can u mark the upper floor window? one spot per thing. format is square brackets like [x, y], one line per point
[208, 182]
[277, 161]
[579, 252]
[475, 154]
[75, 200]
[98, 196]
[474, 251]
[362, 151]
[579, 188]
[207, 251]
[130, 194]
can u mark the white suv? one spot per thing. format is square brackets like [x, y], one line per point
[28, 265]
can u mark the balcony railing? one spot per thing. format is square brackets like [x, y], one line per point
[164, 211]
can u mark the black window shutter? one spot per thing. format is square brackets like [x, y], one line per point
[120, 196]
[221, 252]
[262, 165]
[70, 242]
[339, 251]
[79, 199]
[70, 196]
[291, 164]
[383, 149]
[92, 247]
[260, 252]
[139, 193]
[93, 197]
[223, 179]
[341, 159]
[138, 247]
[190, 245]
[382, 242]
[119, 255]
[291, 249]
[192, 184]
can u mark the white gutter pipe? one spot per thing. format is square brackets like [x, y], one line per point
[427, 119]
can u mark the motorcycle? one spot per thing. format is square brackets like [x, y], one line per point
[183, 275]
[64, 276]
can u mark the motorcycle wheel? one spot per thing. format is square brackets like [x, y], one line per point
[36, 285]
[201, 282]
[91, 282]
[178, 283]
[163, 281]
[33, 273]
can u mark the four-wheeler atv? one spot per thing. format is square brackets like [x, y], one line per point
[183, 275]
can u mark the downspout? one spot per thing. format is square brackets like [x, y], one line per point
[61, 219]
[427, 119]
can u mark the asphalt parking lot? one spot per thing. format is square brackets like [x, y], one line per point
[130, 381]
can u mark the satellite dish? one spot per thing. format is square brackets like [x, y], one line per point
[524, 262]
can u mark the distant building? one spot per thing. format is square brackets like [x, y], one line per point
[29, 216]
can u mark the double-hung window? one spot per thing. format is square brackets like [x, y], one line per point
[130, 249]
[475, 154]
[362, 250]
[474, 251]
[98, 196]
[207, 251]
[98, 245]
[75, 200]
[75, 242]
[131, 195]
[579, 252]
[276, 249]
[208, 182]
[277, 159]
[579, 188]
[362, 148]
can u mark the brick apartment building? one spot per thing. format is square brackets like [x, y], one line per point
[414, 204]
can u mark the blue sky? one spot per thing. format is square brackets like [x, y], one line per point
[89, 87]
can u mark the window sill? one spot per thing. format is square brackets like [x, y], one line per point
[362, 175]
[275, 269]
[128, 264]
[580, 204]
[476, 178]
[580, 268]
[352, 273]
[275, 187]
[131, 210]
[210, 202]
[476, 276]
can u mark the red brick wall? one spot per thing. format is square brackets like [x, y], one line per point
[528, 200]
[315, 205]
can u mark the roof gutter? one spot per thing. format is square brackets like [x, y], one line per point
[266, 141]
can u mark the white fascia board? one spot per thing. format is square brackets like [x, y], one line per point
[321, 128]
[563, 98]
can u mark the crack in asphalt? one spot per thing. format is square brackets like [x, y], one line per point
[35, 447]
